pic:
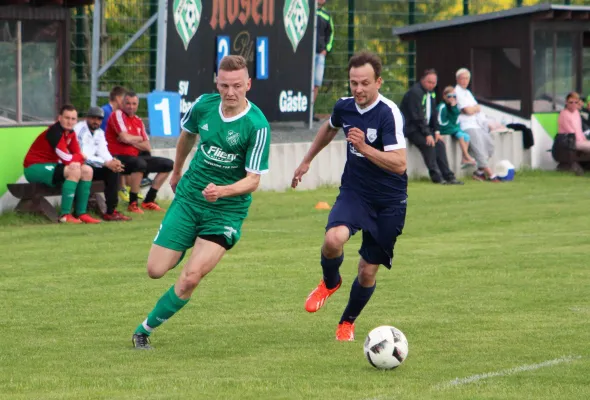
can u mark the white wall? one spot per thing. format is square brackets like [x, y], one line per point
[327, 168]
[541, 158]
[504, 117]
[8, 201]
[536, 157]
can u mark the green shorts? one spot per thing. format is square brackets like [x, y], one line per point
[184, 222]
[51, 174]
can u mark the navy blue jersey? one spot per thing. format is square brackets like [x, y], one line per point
[383, 125]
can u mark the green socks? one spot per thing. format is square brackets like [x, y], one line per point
[82, 196]
[81, 190]
[68, 190]
[168, 305]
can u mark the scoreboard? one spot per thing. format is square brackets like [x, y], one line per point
[276, 38]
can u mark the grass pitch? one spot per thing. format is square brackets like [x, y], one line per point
[490, 284]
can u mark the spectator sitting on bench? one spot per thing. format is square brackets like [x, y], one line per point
[126, 138]
[105, 167]
[570, 121]
[448, 113]
[116, 102]
[55, 159]
[474, 122]
[418, 107]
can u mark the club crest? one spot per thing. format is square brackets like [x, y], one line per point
[371, 134]
[296, 18]
[187, 15]
[232, 138]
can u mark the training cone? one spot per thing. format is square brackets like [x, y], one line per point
[322, 205]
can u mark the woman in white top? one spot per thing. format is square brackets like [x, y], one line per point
[472, 121]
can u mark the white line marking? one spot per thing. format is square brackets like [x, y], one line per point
[507, 372]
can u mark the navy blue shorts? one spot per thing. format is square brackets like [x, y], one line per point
[380, 226]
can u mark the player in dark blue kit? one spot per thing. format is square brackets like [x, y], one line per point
[373, 191]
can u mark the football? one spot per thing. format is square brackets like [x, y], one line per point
[386, 347]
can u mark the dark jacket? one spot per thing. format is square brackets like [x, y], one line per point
[528, 140]
[585, 123]
[413, 108]
[325, 31]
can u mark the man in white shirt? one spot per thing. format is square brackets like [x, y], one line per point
[105, 167]
[472, 121]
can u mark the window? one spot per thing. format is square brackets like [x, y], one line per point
[8, 72]
[40, 69]
[29, 73]
[497, 76]
[554, 69]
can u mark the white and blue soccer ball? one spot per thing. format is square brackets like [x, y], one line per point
[386, 347]
[505, 170]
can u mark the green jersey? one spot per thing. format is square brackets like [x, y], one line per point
[228, 148]
[447, 119]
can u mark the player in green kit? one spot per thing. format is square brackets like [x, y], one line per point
[213, 196]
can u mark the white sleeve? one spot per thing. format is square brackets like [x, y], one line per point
[461, 100]
[464, 98]
[81, 129]
[119, 122]
[102, 149]
[78, 128]
[393, 128]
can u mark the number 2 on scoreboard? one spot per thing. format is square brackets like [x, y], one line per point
[222, 48]
[262, 57]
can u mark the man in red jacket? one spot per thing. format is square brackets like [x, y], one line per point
[55, 159]
[128, 141]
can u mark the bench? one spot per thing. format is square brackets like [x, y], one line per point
[565, 154]
[577, 164]
[32, 198]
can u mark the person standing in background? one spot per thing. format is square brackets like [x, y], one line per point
[115, 102]
[324, 42]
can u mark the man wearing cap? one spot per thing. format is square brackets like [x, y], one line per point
[106, 168]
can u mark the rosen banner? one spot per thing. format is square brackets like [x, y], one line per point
[275, 37]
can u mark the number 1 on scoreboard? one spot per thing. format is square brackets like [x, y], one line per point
[262, 57]
[164, 106]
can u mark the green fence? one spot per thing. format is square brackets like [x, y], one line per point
[135, 70]
[359, 24]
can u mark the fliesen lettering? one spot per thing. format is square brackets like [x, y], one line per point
[229, 11]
